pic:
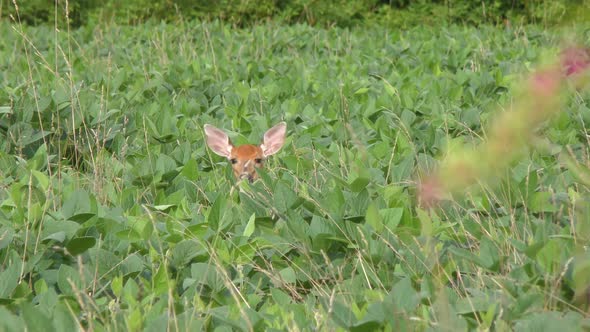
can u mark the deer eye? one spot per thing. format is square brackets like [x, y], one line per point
[258, 160]
[233, 160]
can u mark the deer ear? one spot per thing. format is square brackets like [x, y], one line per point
[218, 141]
[274, 138]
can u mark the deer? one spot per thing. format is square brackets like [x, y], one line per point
[246, 158]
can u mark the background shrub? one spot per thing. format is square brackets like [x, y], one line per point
[320, 12]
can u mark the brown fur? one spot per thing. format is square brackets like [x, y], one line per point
[245, 156]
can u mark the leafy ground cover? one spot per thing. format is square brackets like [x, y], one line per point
[115, 216]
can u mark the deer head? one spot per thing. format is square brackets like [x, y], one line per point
[245, 159]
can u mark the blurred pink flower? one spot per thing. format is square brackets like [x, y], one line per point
[545, 83]
[430, 191]
[575, 60]
[509, 133]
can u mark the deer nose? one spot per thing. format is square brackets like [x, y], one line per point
[247, 176]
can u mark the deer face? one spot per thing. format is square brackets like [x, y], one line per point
[245, 159]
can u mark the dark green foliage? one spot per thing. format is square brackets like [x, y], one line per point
[397, 13]
[34, 12]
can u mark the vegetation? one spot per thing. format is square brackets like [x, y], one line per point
[114, 215]
[390, 13]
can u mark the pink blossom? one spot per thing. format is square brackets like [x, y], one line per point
[545, 83]
[575, 60]
[430, 192]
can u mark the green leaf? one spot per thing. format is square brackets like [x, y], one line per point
[207, 274]
[549, 321]
[334, 202]
[190, 170]
[35, 319]
[541, 202]
[250, 226]
[390, 89]
[374, 317]
[36, 136]
[82, 217]
[5, 110]
[183, 252]
[40, 286]
[9, 279]
[79, 245]
[42, 179]
[142, 226]
[187, 322]
[288, 275]
[117, 286]
[130, 292]
[425, 222]
[78, 202]
[6, 235]
[550, 256]
[342, 314]
[403, 170]
[69, 280]
[361, 91]
[359, 184]
[160, 281]
[163, 207]
[408, 118]
[216, 212]
[403, 296]
[135, 319]
[59, 230]
[489, 254]
[280, 297]
[132, 264]
[581, 274]
[10, 321]
[391, 217]
[64, 319]
[129, 235]
[284, 196]
[466, 255]
[374, 218]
